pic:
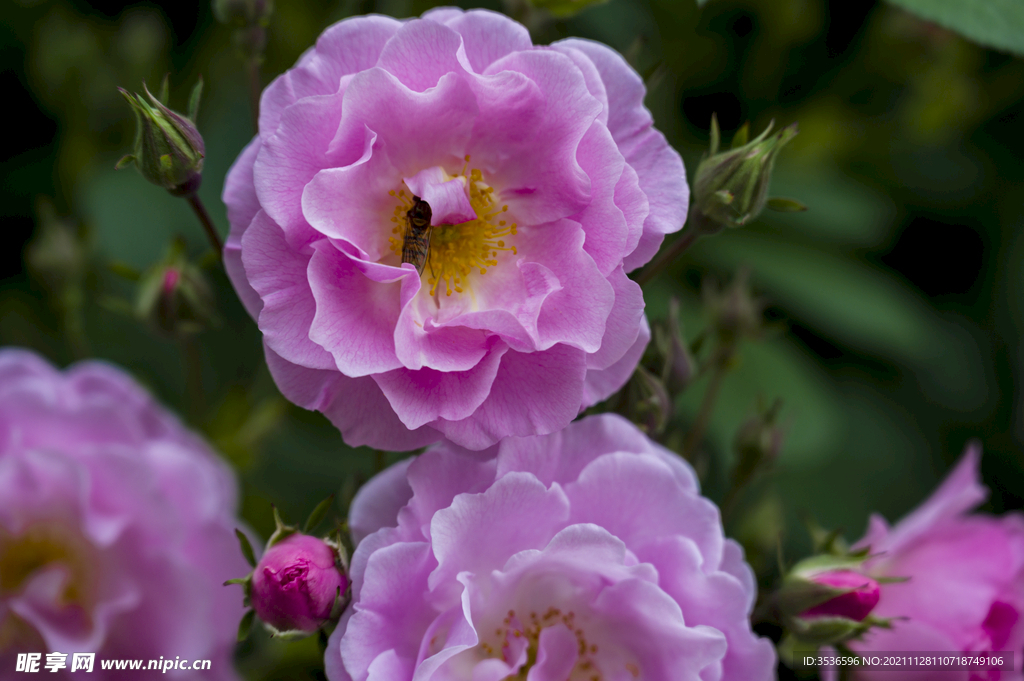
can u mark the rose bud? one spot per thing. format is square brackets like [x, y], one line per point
[731, 187]
[169, 150]
[858, 600]
[297, 584]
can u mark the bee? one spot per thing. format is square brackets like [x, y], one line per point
[416, 246]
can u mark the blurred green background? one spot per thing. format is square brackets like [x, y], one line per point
[899, 296]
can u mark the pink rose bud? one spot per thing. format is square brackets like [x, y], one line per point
[296, 584]
[856, 604]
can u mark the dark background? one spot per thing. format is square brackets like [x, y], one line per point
[898, 295]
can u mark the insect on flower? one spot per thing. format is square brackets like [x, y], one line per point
[416, 244]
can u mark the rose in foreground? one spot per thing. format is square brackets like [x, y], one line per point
[296, 584]
[964, 588]
[116, 523]
[584, 554]
[434, 225]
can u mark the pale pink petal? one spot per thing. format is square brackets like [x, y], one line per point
[546, 182]
[603, 383]
[240, 198]
[357, 306]
[294, 154]
[425, 395]
[462, 534]
[532, 393]
[356, 406]
[448, 198]
[378, 502]
[421, 53]
[345, 48]
[486, 36]
[960, 492]
[278, 274]
[649, 506]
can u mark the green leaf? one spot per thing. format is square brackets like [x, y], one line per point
[245, 626]
[782, 205]
[247, 551]
[993, 23]
[317, 516]
[859, 306]
[853, 303]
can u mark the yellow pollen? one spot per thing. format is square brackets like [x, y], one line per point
[530, 630]
[456, 251]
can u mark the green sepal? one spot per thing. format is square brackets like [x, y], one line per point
[193, 100]
[124, 162]
[783, 205]
[245, 626]
[318, 514]
[742, 136]
[243, 541]
[823, 631]
[716, 135]
[282, 531]
[165, 90]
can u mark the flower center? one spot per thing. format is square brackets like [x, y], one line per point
[453, 252]
[529, 631]
[39, 547]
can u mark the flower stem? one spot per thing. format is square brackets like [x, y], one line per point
[678, 247]
[707, 405]
[204, 219]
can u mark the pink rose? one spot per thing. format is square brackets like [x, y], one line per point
[584, 554]
[116, 524]
[965, 591]
[543, 181]
[296, 583]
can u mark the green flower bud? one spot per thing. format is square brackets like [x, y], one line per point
[648, 402]
[168, 150]
[174, 296]
[243, 12]
[757, 444]
[735, 312]
[731, 187]
[677, 364]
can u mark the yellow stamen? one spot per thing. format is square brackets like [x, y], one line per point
[458, 250]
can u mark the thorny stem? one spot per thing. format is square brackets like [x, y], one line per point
[204, 219]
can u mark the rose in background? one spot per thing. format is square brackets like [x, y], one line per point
[589, 552]
[116, 523]
[964, 588]
[546, 184]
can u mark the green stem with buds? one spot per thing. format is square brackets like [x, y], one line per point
[207, 223]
